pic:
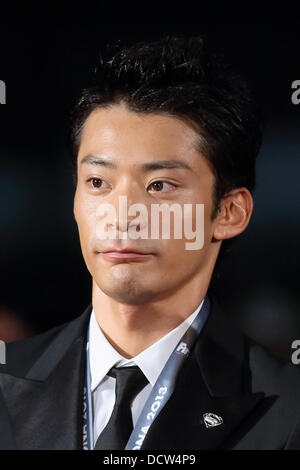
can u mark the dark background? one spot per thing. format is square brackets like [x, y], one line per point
[45, 60]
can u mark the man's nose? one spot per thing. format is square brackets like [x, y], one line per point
[125, 213]
[121, 220]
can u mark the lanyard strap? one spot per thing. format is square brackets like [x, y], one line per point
[87, 400]
[162, 389]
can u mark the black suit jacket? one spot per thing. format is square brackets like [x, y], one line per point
[257, 395]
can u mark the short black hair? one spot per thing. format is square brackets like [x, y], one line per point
[179, 76]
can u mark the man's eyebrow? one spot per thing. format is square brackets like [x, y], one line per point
[168, 164]
[97, 160]
[145, 167]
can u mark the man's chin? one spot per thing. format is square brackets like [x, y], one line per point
[126, 292]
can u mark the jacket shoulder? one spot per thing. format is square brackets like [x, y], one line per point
[21, 354]
[270, 373]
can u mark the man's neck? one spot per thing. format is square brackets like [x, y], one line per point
[131, 329]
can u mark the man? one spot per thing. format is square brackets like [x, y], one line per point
[153, 363]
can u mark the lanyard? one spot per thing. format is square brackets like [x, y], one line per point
[160, 393]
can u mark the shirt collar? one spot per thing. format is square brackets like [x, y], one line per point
[103, 356]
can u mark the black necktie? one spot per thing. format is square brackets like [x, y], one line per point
[130, 381]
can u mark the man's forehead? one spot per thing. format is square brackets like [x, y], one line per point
[118, 121]
[111, 135]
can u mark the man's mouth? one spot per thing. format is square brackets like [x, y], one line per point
[125, 254]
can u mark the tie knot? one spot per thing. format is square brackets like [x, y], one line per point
[129, 382]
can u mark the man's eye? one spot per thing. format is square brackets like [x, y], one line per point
[96, 183]
[158, 186]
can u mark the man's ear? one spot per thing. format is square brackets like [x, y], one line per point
[234, 214]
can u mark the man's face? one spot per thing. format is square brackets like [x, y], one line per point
[117, 148]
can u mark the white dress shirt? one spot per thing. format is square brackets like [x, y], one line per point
[103, 357]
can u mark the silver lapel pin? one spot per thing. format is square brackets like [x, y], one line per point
[211, 420]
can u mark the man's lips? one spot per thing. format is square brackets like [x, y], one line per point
[125, 254]
[118, 254]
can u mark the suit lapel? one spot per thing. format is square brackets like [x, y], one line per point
[7, 441]
[49, 398]
[214, 379]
